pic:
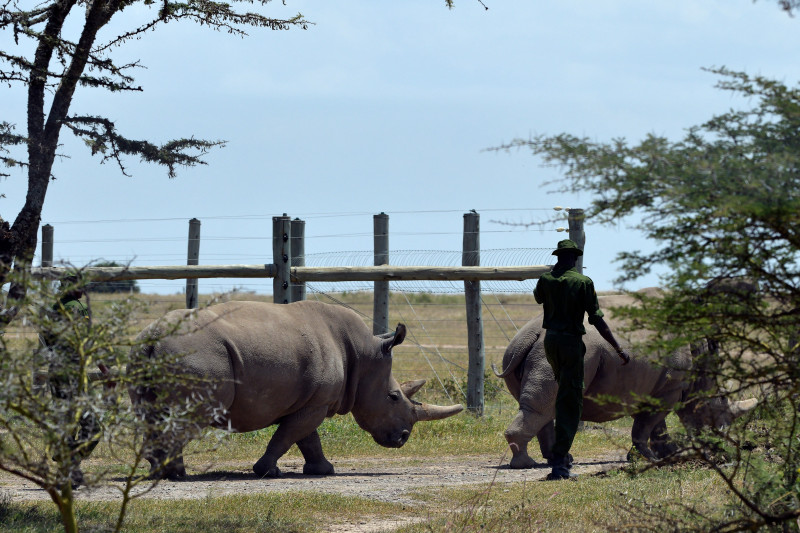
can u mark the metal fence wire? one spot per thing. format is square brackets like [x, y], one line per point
[435, 258]
[435, 313]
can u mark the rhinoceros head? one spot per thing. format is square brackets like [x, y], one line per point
[383, 407]
[700, 408]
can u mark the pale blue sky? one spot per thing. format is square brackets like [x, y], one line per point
[388, 106]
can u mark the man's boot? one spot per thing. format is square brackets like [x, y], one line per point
[76, 477]
[560, 466]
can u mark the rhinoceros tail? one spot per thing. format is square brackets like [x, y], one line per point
[520, 353]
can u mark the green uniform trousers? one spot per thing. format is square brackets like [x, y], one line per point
[565, 353]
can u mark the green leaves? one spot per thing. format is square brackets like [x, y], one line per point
[723, 206]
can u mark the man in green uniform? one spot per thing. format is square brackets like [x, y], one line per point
[64, 371]
[566, 295]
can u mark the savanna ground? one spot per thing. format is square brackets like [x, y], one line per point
[452, 474]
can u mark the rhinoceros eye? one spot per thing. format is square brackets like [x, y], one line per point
[394, 396]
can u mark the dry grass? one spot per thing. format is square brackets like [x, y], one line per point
[435, 350]
[614, 501]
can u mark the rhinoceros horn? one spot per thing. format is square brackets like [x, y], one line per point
[743, 406]
[426, 411]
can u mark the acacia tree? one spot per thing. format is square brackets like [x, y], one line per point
[55, 406]
[722, 203]
[59, 64]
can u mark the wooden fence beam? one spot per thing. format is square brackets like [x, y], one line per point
[162, 272]
[365, 273]
[419, 273]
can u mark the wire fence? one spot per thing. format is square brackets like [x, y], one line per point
[434, 237]
[434, 311]
[436, 258]
[436, 344]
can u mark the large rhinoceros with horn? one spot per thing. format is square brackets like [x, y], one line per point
[291, 365]
[643, 389]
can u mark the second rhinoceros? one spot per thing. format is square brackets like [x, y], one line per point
[645, 390]
[291, 365]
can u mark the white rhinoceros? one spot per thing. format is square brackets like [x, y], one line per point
[291, 365]
[611, 390]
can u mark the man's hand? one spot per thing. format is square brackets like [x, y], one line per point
[605, 332]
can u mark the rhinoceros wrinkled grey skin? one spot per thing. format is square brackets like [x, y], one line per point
[611, 390]
[291, 365]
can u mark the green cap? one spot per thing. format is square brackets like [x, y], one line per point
[567, 246]
[70, 281]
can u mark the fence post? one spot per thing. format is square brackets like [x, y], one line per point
[298, 249]
[47, 245]
[193, 258]
[380, 295]
[472, 291]
[281, 257]
[39, 385]
[575, 219]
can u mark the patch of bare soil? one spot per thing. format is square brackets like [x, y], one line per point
[373, 478]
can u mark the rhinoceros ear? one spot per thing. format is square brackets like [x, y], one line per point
[399, 334]
[393, 339]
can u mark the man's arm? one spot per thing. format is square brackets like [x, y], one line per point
[605, 332]
[537, 293]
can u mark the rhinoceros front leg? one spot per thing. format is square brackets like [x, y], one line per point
[520, 432]
[660, 442]
[316, 464]
[643, 426]
[291, 429]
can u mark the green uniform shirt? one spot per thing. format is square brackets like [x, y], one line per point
[71, 306]
[566, 295]
[74, 306]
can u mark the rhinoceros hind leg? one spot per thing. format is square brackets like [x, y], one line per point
[176, 469]
[295, 428]
[318, 469]
[519, 433]
[161, 468]
[316, 463]
[546, 438]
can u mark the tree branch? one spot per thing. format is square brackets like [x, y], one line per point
[101, 137]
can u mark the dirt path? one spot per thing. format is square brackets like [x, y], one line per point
[374, 478]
